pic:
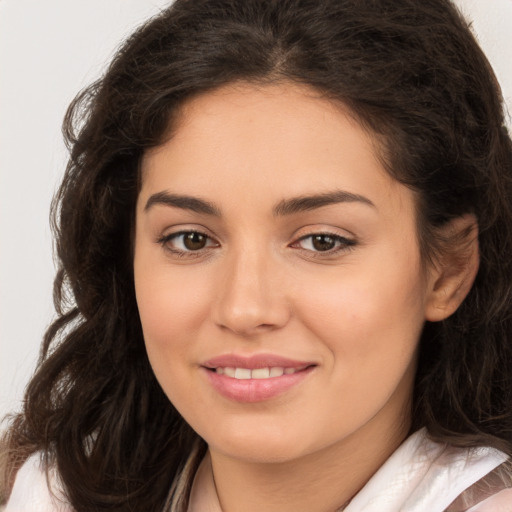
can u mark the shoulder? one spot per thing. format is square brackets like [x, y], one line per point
[425, 475]
[501, 502]
[492, 493]
[35, 491]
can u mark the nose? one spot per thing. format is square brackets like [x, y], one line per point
[251, 295]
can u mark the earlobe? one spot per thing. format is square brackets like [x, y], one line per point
[454, 272]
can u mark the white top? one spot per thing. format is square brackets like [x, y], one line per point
[31, 492]
[420, 476]
[425, 476]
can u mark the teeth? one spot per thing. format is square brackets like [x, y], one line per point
[276, 372]
[230, 372]
[256, 373]
[242, 373]
[260, 373]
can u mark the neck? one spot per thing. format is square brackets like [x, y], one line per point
[324, 481]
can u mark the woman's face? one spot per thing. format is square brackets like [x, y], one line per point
[278, 275]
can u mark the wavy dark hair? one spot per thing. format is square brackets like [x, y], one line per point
[413, 75]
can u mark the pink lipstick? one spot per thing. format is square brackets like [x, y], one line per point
[255, 378]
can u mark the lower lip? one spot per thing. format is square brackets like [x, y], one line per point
[255, 390]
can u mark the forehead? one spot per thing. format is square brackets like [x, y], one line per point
[268, 141]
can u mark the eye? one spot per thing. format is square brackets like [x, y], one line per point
[187, 241]
[324, 242]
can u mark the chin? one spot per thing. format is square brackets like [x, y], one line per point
[261, 445]
[263, 452]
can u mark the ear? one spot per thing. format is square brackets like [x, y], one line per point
[453, 272]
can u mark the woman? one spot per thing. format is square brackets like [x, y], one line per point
[284, 284]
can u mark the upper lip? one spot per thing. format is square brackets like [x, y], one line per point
[255, 361]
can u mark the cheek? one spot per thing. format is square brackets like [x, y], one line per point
[371, 329]
[172, 307]
[369, 316]
[171, 312]
[163, 307]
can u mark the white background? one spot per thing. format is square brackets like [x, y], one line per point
[49, 50]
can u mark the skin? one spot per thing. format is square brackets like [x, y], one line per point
[260, 286]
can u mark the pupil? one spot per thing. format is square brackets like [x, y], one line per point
[194, 241]
[323, 242]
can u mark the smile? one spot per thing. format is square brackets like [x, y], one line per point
[255, 378]
[256, 373]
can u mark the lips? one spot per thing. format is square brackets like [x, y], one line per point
[255, 373]
[255, 361]
[255, 378]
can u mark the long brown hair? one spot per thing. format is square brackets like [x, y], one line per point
[412, 73]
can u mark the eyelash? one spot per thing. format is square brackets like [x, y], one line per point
[165, 240]
[343, 244]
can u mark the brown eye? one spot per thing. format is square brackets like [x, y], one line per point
[194, 241]
[185, 242]
[323, 242]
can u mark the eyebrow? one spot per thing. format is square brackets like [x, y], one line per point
[193, 204]
[305, 203]
[283, 208]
